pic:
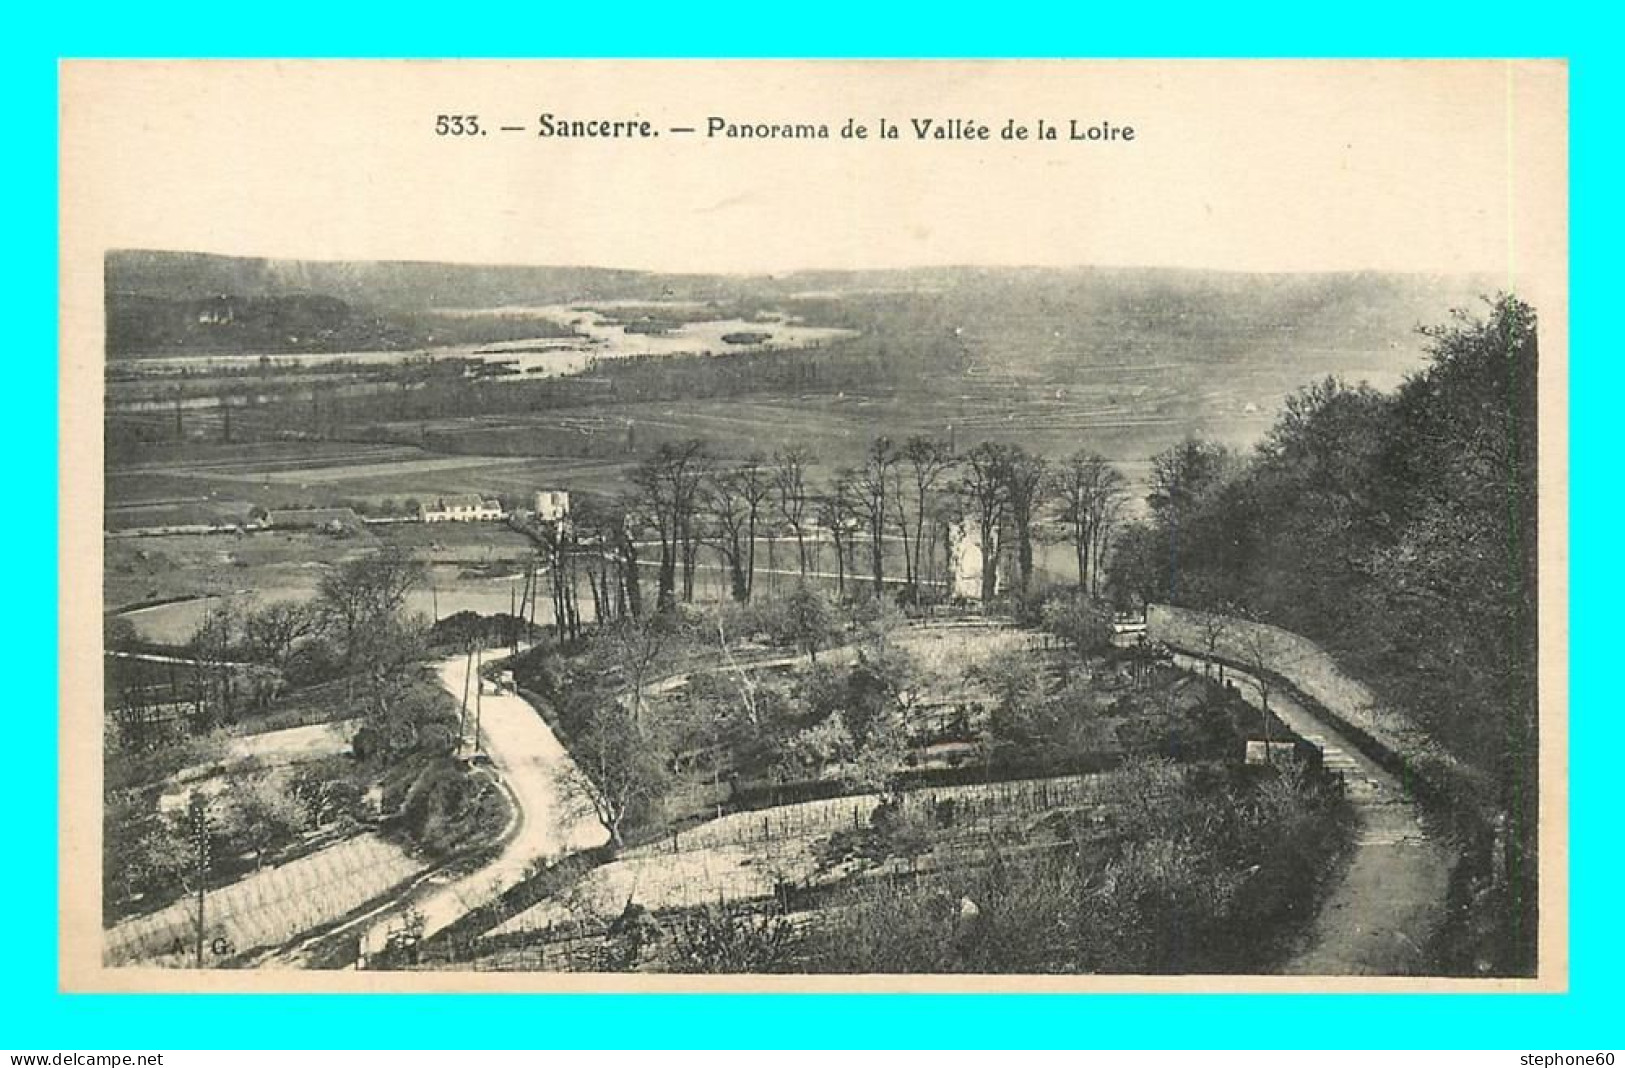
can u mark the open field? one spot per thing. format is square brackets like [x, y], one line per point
[149, 570]
[592, 450]
[242, 458]
[465, 467]
[1127, 422]
[174, 622]
[158, 501]
[212, 482]
[456, 543]
[220, 483]
[279, 565]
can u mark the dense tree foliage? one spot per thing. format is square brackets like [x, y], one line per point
[1399, 531]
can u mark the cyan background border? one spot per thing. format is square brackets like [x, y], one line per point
[34, 1015]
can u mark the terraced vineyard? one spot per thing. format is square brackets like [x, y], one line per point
[266, 909]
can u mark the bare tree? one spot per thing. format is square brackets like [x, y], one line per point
[634, 648]
[899, 514]
[614, 772]
[790, 495]
[729, 522]
[1183, 474]
[985, 487]
[561, 548]
[1025, 476]
[623, 542]
[1088, 490]
[838, 513]
[597, 530]
[874, 485]
[1213, 627]
[212, 644]
[362, 598]
[1104, 537]
[755, 484]
[669, 482]
[271, 632]
[1184, 479]
[929, 461]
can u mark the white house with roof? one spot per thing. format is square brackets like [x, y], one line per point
[459, 508]
[552, 506]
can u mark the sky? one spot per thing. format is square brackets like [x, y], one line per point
[1250, 166]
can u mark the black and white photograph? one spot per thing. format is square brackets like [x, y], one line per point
[789, 525]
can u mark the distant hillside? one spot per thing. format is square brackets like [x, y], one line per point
[1047, 323]
[411, 285]
[142, 325]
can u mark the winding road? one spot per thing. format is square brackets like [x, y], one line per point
[529, 758]
[1391, 896]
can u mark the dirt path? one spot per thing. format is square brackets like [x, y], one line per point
[528, 757]
[1391, 896]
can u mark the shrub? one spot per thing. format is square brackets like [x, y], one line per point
[716, 940]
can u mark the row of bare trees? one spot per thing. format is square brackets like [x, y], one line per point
[905, 505]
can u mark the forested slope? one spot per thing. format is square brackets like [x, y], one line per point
[1399, 530]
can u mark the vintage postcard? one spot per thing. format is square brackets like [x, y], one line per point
[813, 525]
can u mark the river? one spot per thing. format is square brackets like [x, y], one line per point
[600, 336]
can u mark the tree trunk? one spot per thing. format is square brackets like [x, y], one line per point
[908, 559]
[877, 559]
[666, 594]
[990, 568]
[750, 555]
[631, 581]
[691, 549]
[738, 580]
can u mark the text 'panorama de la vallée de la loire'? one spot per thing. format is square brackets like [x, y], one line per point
[961, 130]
